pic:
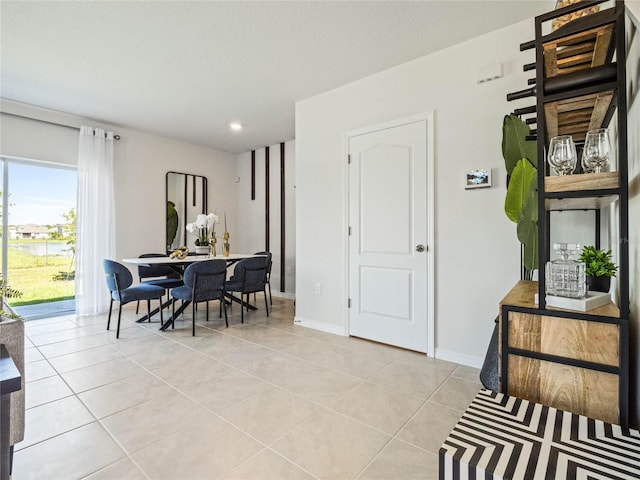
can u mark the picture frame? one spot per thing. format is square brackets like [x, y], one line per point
[480, 178]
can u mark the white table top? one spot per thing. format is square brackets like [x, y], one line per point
[189, 259]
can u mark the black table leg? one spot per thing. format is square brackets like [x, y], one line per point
[153, 312]
[171, 318]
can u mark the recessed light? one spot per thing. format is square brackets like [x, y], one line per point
[235, 126]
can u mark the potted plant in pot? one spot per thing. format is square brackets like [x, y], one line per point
[204, 228]
[599, 268]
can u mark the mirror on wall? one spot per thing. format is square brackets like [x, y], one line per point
[186, 197]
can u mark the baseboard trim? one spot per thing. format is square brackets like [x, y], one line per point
[323, 327]
[460, 358]
[288, 296]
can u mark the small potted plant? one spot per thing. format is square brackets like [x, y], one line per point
[599, 268]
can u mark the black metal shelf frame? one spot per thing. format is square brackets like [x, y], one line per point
[617, 16]
[618, 106]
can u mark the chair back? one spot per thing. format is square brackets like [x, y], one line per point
[252, 273]
[206, 279]
[153, 271]
[269, 262]
[117, 275]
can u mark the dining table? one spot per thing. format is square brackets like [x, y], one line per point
[179, 265]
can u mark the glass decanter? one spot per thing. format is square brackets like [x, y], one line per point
[565, 277]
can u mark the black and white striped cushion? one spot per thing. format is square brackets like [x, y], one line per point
[500, 436]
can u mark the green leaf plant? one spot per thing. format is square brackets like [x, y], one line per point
[521, 202]
[7, 291]
[598, 262]
[172, 223]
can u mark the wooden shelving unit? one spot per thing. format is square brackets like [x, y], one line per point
[523, 293]
[589, 191]
[577, 52]
[575, 116]
[581, 182]
[576, 361]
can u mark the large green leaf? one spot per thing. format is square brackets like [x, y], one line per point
[172, 223]
[527, 229]
[521, 177]
[514, 143]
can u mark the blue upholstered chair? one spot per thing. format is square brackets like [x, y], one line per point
[249, 276]
[203, 281]
[160, 275]
[268, 280]
[119, 281]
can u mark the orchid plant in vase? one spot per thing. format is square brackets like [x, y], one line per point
[204, 227]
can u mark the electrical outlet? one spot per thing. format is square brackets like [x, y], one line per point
[318, 288]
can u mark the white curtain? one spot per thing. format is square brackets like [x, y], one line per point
[95, 220]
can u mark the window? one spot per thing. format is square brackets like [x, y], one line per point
[38, 235]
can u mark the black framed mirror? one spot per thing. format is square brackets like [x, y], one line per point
[186, 197]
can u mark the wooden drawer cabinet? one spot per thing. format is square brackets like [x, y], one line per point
[567, 337]
[573, 363]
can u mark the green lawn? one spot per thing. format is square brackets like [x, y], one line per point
[40, 279]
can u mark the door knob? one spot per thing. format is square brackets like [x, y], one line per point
[420, 248]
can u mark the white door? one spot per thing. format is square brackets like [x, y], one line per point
[388, 267]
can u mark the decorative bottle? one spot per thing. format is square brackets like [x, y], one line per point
[212, 242]
[225, 244]
[565, 277]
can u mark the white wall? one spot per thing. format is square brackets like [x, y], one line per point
[252, 212]
[141, 162]
[476, 251]
[633, 129]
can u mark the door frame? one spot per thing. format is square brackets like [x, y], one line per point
[428, 117]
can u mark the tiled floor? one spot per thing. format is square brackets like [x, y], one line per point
[264, 400]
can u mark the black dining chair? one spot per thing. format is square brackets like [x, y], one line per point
[160, 275]
[268, 279]
[119, 281]
[249, 276]
[203, 281]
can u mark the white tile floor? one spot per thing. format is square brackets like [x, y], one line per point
[264, 400]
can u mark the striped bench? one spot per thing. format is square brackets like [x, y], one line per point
[499, 436]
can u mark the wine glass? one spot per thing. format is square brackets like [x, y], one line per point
[596, 149]
[586, 168]
[562, 154]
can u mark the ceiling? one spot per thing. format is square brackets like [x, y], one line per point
[186, 69]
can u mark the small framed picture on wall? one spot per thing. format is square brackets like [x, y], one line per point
[478, 178]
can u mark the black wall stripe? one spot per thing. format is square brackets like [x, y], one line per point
[282, 218]
[253, 174]
[266, 202]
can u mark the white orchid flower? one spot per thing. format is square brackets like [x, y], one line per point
[203, 226]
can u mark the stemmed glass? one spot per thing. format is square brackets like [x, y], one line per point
[586, 168]
[562, 154]
[596, 149]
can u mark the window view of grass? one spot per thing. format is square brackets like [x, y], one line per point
[40, 227]
[40, 278]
